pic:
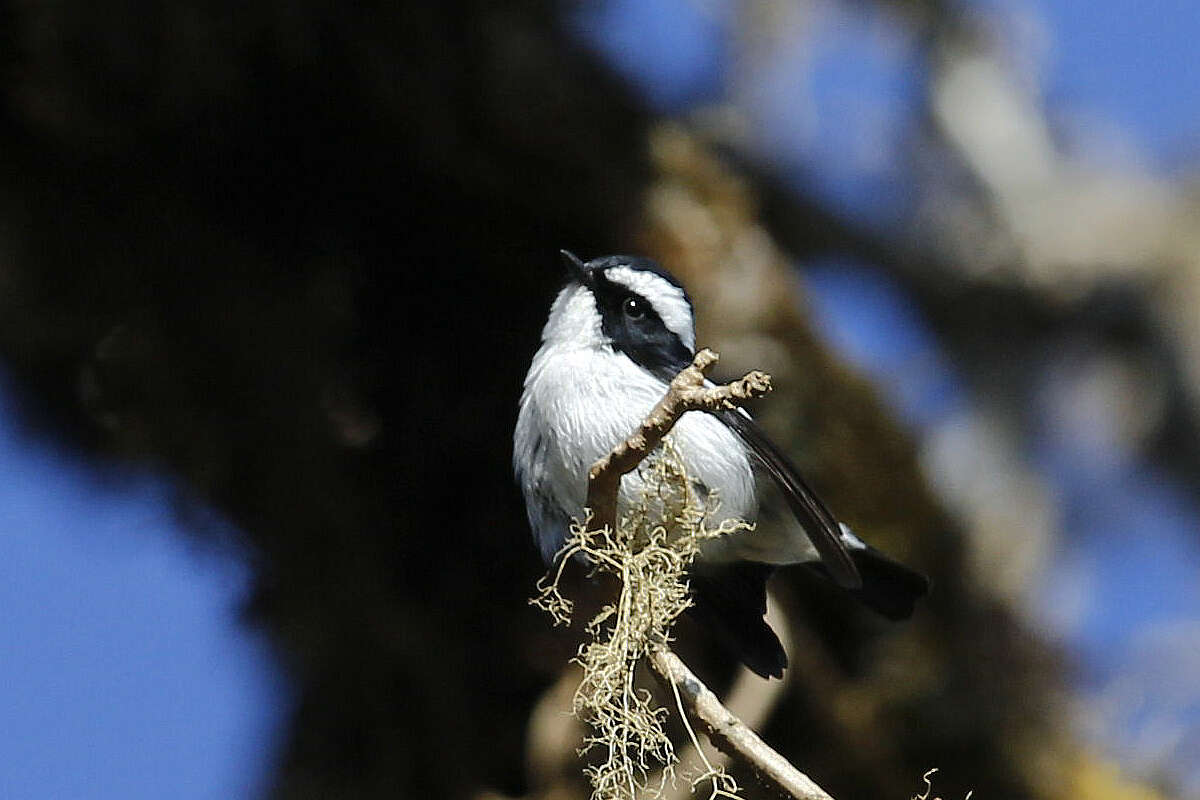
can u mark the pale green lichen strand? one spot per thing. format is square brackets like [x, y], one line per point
[650, 552]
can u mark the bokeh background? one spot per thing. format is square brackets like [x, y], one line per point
[270, 275]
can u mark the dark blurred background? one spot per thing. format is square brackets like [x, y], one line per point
[271, 274]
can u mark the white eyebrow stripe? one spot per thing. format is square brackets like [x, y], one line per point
[668, 300]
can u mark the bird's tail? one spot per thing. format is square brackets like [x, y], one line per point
[888, 587]
[730, 600]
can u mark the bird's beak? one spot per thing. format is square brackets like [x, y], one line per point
[576, 269]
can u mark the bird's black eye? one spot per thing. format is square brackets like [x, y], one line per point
[634, 308]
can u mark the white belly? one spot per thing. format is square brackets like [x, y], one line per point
[583, 405]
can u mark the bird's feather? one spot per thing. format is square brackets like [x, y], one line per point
[730, 600]
[888, 587]
[818, 523]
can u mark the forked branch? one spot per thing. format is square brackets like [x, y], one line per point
[689, 392]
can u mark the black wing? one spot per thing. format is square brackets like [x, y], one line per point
[810, 512]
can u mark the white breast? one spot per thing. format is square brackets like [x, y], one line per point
[580, 402]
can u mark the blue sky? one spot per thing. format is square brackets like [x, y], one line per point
[123, 670]
[1132, 62]
[1120, 68]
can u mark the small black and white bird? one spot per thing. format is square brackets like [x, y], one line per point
[617, 334]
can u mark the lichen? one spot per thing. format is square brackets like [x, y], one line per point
[650, 552]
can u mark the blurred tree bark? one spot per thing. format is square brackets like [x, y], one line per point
[299, 257]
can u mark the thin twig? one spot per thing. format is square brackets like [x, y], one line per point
[689, 393]
[729, 733]
[750, 699]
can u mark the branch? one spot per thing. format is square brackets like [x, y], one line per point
[688, 392]
[730, 734]
[750, 699]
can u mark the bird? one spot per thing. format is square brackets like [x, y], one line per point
[620, 329]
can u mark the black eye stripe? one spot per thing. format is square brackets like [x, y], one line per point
[644, 337]
[612, 297]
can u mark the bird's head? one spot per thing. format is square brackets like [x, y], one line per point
[627, 304]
